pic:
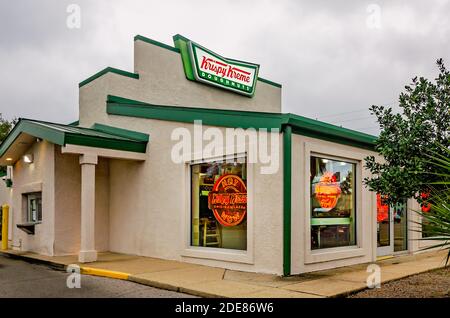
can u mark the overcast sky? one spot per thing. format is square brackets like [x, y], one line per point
[333, 58]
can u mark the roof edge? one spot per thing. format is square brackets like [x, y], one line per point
[234, 118]
[105, 71]
[126, 133]
[157, 43]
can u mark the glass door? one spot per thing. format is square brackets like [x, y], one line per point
[385, 235]
[400, 225]
[392, 228]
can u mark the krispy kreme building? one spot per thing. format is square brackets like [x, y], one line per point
[189, 157]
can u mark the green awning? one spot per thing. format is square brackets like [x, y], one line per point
[100, 136]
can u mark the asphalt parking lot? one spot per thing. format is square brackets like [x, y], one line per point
[21, 279]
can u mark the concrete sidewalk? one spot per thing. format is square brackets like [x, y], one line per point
[207, 281]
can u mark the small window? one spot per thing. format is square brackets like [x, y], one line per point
[34, 207]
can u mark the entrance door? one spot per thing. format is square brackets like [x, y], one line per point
[391, 228]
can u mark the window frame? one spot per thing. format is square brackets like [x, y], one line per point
[214, 253]
[363, 238]
[354, 164]
[36, 196]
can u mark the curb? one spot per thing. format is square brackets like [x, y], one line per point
[178, 289]
[51, 264]
[104, 273]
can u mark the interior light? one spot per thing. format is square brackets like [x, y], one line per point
[8, 159]
[325, 160]
[28, 158]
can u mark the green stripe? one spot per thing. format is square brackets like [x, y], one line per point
[157, 43]
[181, 44]
[212, 117]
[241, 119]
[269, 82]
[92, 141]
[287, 189]
[108, 70]
[330, 221]
[130, 134]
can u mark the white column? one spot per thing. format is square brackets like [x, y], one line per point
[87, 248]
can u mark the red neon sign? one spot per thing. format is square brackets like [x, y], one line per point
[328, 191]
[382, 209]
[228, 200]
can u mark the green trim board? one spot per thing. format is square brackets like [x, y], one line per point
[269, 82]
[157, 43]
[65, 134]
[108, 70]
[130, 134]
[240, 119]
[214, 117]
[180, 43]
[330, 221]
[75, 123]
[287, 199]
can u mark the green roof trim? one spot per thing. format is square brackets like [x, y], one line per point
[287, 199]
[243, 119]
[130, 134]
[269, 82]
[108, 70]
[157, 43]
[60, 134]
[75, 123]
[214, 117]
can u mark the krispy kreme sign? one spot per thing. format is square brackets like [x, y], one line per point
[228, 200]
[213, 69]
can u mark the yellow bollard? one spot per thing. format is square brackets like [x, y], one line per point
[5, 212]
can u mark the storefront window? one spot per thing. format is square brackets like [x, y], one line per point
[383, 222]
[333, 215]
[219, 205]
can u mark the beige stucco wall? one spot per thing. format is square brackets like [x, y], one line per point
[68, 203]
[58, 177]
[162, 81]
[303, 260]
[149, 214]
[148, 200]
[34, 177]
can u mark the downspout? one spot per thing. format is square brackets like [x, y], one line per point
[287, 180]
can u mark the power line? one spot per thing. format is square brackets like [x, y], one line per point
[353, 111]
[351, 119]
[343, 113]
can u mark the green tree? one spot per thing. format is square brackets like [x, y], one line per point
[421, 127]
[5, 128]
